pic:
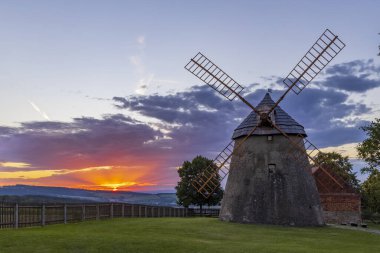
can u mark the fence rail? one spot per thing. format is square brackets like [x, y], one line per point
[17, 215]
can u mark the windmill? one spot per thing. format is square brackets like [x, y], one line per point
[269, 159]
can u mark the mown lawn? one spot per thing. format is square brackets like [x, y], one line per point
[183, 235]
[372, 225]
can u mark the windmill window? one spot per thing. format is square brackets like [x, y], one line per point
[271, 167]
[270, 137]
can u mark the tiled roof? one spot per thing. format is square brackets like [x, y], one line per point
[281, 119]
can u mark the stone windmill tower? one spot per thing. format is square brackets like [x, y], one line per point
[269, 159]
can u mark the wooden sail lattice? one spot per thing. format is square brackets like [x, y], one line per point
[208, 72]
[314, 61]
[305, 147]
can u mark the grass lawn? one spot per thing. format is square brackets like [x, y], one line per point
[373, 225]
[183, 235]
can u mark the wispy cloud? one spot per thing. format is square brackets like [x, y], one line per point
[18, 165]
[146, 79]
[141, 40]
[345, 149]
[37, 109]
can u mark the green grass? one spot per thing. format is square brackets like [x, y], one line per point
[372, 225]
[183, 235]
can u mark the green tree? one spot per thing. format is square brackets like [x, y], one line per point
[369, 149]
[371, 192]
[340, 165]
[186, 193]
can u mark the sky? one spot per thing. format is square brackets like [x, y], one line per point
[94, 94]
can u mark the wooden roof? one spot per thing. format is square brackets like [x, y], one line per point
[329, 182]
[283, 120]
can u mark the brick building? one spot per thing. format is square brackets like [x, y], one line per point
[340, 202]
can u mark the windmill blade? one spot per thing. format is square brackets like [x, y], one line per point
[312, 152]
[208, 72]
[312, 63]
[209, 179]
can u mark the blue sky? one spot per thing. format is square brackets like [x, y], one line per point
[62, 60]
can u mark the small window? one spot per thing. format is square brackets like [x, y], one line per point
[270, 137]
[271, 167]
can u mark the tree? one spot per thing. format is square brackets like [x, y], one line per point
[186, 193]
[371, 192]
[340, 165]
[369, 149]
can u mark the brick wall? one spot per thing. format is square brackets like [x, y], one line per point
[341, 207]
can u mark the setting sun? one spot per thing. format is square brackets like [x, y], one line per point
[115, 186]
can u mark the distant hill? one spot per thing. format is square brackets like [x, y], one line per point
[45, 194]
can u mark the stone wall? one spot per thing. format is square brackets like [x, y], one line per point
[267, 185]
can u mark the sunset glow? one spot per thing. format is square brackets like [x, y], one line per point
[92, 178]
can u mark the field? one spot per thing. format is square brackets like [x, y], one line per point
[183, 235]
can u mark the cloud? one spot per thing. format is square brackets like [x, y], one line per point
[14, 165]
[144, 79]
[113, 146]
[37, 109]
[328, 114]
[141, 40]
[355, 76]
[144, 154]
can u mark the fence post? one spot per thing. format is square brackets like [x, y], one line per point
[43, 215]
[97, 212]
[122, 210]
[111, 211]
[83, 212]
[132, 210]
[65, 214]
[146, 211]
[16, 216]
[158, 211]
[163, 211]
[139, 211]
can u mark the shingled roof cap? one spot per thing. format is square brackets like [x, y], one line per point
[283, 120]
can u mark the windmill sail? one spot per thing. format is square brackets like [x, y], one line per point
[208, 72]
[305, 147]
[209, 179]
[314, 61]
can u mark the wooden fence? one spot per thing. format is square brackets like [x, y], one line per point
[15, 215]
